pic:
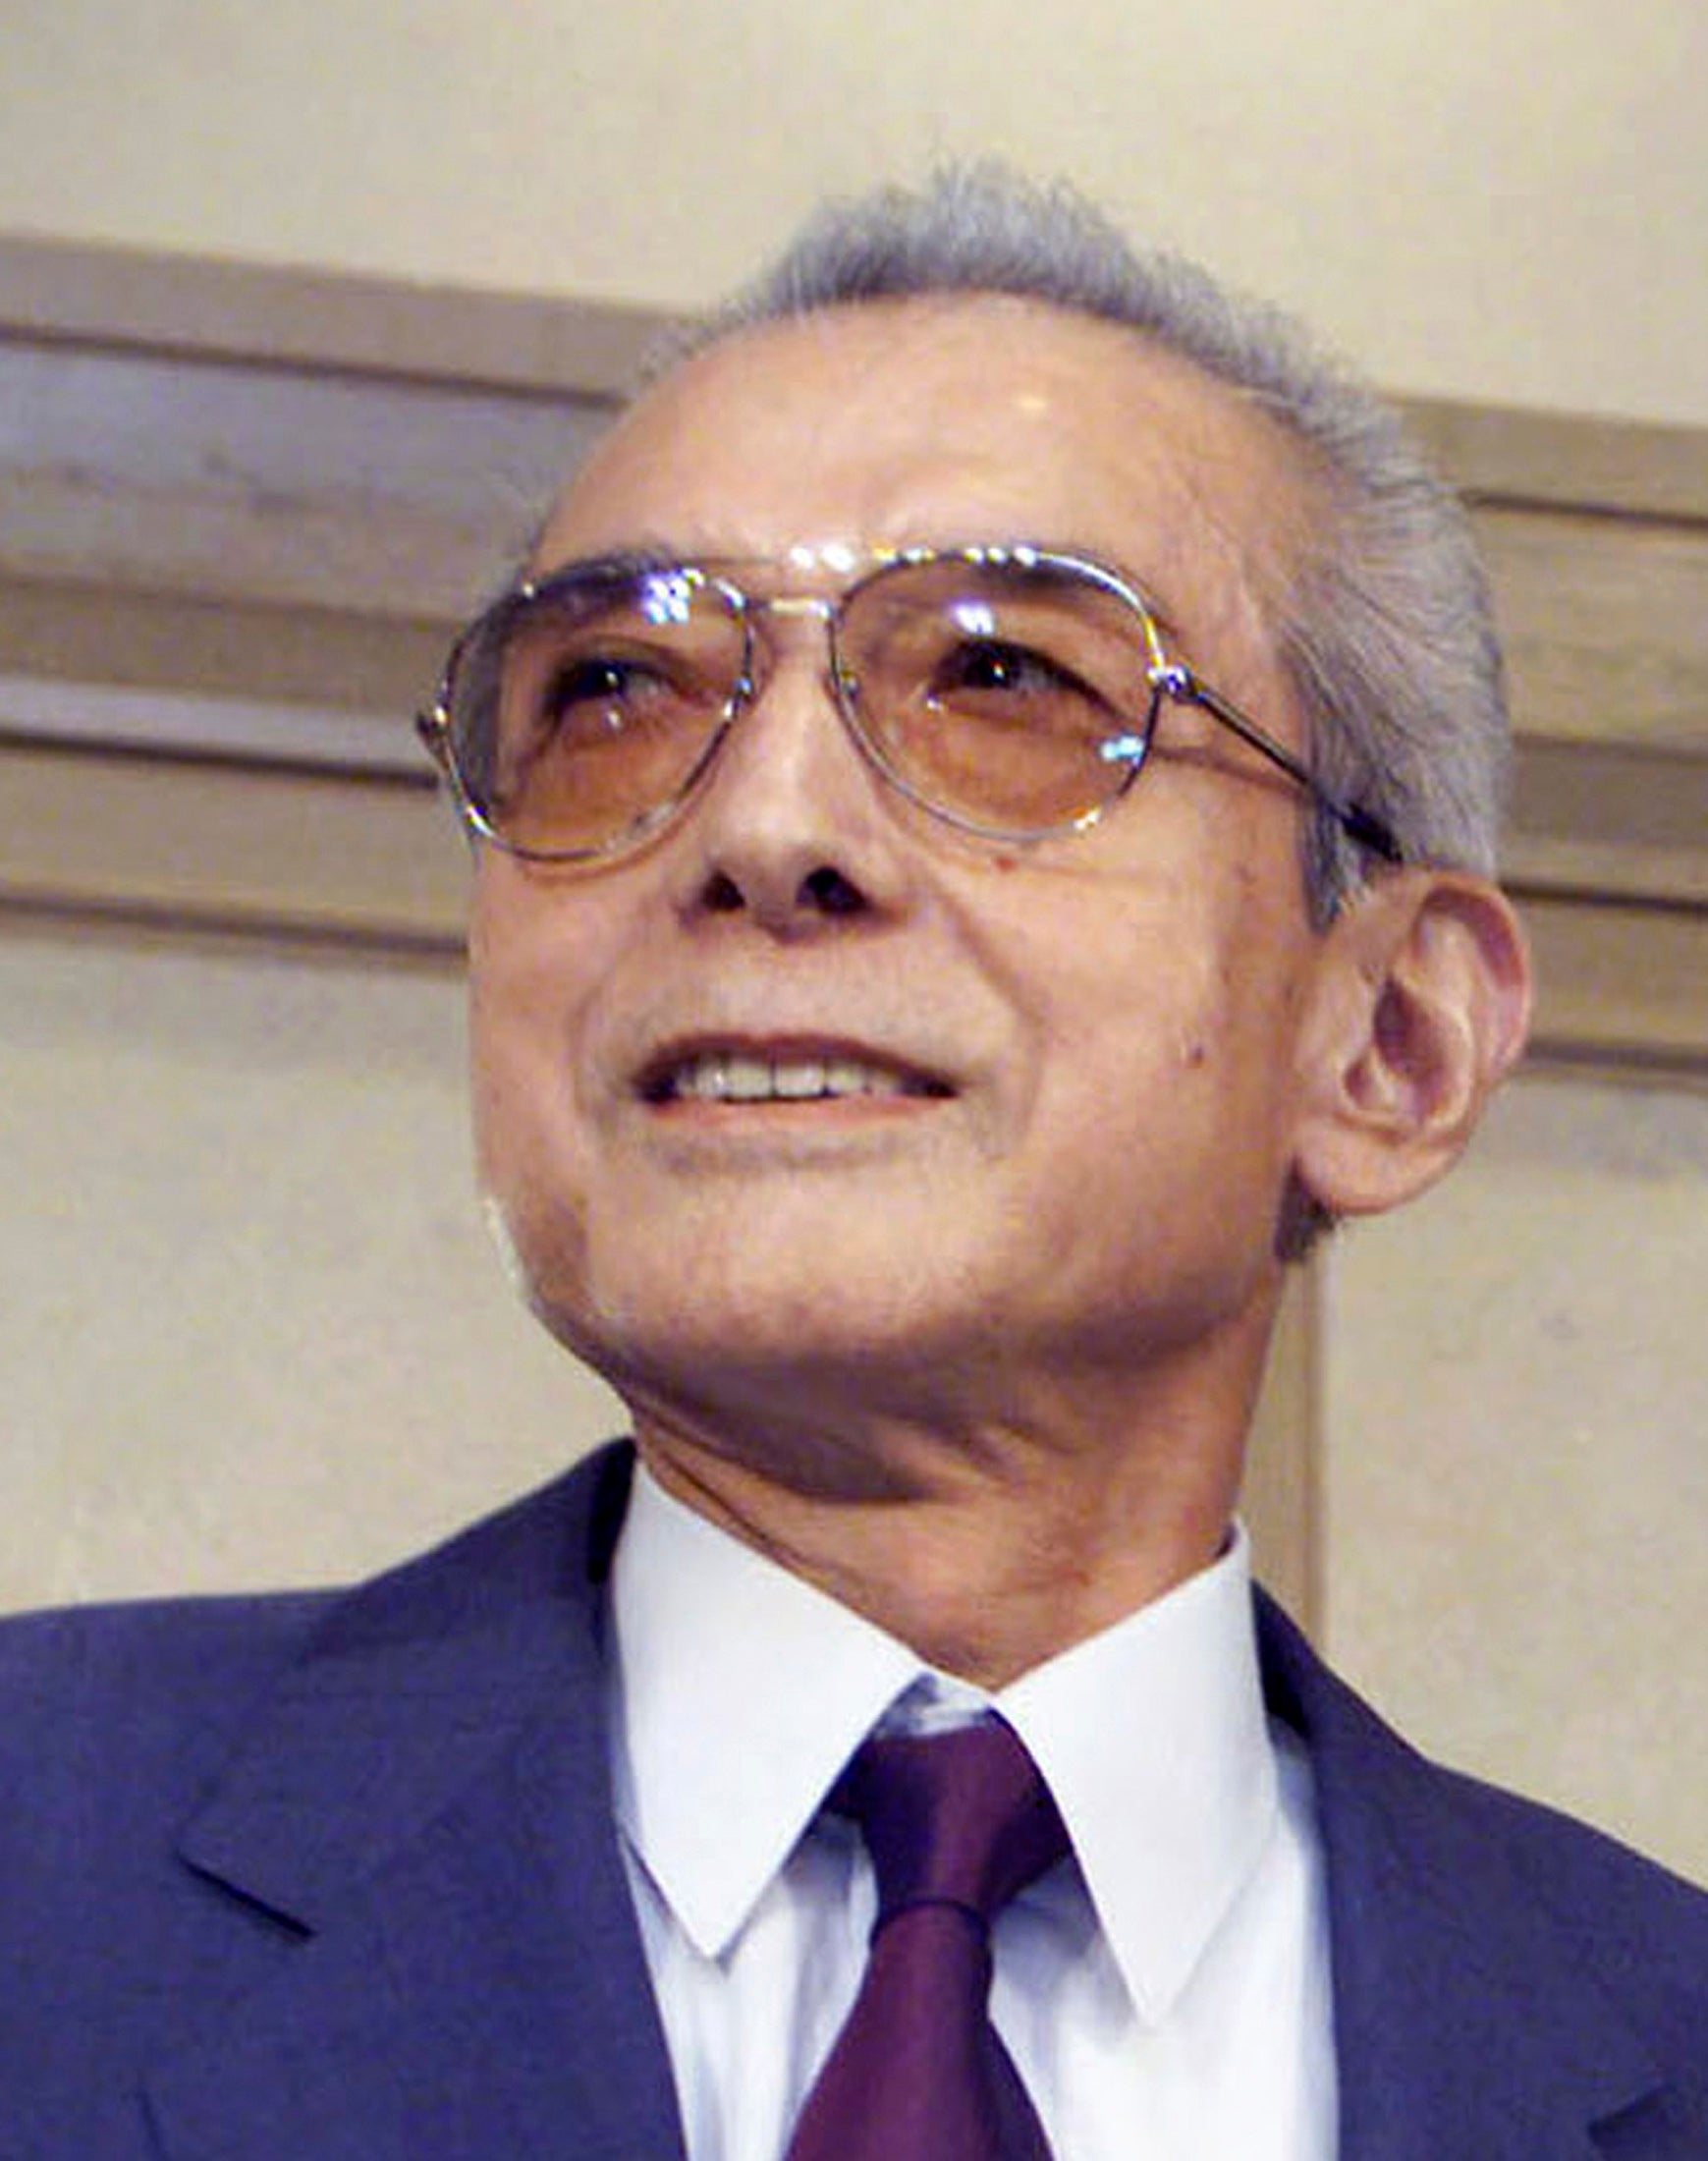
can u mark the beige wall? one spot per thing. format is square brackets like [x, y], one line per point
[1515, 1477]
[1501, 199]
[250, 1329]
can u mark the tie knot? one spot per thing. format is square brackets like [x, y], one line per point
[962, 1817]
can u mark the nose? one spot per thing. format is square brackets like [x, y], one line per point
[792, 827]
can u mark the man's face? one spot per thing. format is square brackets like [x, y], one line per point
[1082, 1050]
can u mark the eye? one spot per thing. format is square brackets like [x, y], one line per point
[996, 665]
[593, 697]
[993, 664]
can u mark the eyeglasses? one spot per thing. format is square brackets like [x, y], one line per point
[1009, 690]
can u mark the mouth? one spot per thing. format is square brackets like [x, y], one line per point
[749, 1073]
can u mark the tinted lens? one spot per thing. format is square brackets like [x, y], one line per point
[1015, 696]
[581, 712]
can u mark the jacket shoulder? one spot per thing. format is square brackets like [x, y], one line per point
[124, 1726]
[1639, 1927]
[101, 1676]
[1443, 1888]
[113, 1720]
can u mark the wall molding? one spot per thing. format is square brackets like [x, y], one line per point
[104, 297]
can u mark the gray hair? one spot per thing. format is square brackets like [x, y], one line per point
[1385, 628]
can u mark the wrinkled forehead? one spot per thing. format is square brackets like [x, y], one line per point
[947, 420]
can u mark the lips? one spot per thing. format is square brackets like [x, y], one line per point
[750, 1074]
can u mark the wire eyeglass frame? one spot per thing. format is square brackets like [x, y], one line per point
[1167, 679]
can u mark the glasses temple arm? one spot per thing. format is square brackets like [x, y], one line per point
[1176, 680]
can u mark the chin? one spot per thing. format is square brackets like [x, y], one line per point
[746, 1330]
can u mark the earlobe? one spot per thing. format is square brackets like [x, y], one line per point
[1422, 1007]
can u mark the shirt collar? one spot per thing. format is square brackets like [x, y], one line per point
[738, 1692]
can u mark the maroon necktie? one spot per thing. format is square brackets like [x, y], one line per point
[955, 1825]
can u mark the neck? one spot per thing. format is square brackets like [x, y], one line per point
[988, 1547]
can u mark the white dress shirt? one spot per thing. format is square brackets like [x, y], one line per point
[1164, 1991]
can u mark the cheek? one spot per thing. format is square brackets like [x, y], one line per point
[524, 999]
[531, 1157]
[1169, 1033]
[499, 1100]
[1127, 981]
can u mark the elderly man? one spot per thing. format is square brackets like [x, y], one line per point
[984, 805]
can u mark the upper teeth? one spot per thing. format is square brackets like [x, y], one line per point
[726, 1077]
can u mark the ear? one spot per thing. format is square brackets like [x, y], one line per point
[1420, 1009]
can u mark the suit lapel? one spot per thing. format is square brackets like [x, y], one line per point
[421, 1835]
[1463, 2021]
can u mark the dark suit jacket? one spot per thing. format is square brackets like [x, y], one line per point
[334, 1879]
